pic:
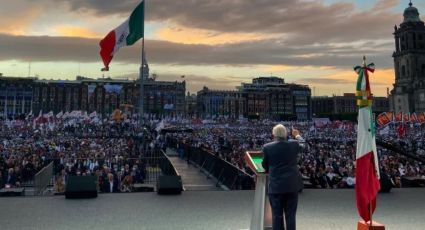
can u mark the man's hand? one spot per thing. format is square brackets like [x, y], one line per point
[295, 133]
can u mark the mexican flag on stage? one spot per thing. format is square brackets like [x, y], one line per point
[367, 170]
[126, 34]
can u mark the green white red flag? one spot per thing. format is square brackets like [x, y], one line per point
[129, 32]
[367, 170]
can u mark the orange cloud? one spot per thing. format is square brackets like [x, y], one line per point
[345, 82]
[278, 68]
[18, 23]
[199, 36]
[74, 31]
[282, 68]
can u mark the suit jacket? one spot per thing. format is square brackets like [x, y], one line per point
[280, 161]
[11, 179]
[107, 186]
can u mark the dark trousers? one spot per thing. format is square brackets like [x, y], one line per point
[284, 204]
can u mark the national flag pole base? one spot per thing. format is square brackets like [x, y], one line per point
[362, 225]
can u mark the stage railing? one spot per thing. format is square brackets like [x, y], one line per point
[42, 179]
[226, 173]
[168, 168]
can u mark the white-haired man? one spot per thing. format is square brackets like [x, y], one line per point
[280, 161]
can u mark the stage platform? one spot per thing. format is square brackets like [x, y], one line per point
[204, 210]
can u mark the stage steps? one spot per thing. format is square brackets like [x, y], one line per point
[192, 177]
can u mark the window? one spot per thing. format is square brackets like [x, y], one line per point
[403, 71]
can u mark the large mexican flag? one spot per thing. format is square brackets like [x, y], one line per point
[124, 35]
[367, 170]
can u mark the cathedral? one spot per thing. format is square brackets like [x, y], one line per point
[408, 94]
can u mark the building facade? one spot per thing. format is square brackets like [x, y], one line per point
[220, 103]
[325, 106]
[191, 105]
[101, 95]
[16, 95]
[408, 94]
[272, 98]
[264, 97]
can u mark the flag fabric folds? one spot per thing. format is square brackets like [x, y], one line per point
[129, 32]
[367, 170]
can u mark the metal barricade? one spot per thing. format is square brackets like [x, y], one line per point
[157, 164]
[42, 179]
[225, 173]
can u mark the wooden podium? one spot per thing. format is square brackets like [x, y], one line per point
[261, 214]
[362, 225]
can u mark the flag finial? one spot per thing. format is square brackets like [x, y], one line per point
[364, 61]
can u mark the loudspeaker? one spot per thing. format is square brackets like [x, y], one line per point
[169, 185]
[81, 187]
[386, 184]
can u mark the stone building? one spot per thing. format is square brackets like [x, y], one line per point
[408, 94]
[272, 98]
[220, 103]
[103, 95]
[191, 105]
[15, 96]
[264, 97]
[325, 106]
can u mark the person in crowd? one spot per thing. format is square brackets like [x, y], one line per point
[11, 179]
[1, 180]
[111, 185]
[60, 182]
[85, 146]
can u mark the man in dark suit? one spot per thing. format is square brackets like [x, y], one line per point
[111, 185]
[11, 179]
[280, 161]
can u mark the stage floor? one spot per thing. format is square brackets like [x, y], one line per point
[206, 210]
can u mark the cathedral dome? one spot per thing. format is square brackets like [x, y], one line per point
[411, 14]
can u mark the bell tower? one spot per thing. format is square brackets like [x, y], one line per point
[408, 94]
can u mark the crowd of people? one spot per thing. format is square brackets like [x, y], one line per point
[115, 151]
[328, 161]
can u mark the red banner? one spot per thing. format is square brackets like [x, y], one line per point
[383, 119]
[413, 118]
[390, 116]
[399, 117]
[406, 117]
[421, 118]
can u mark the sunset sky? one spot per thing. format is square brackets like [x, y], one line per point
[216, 43]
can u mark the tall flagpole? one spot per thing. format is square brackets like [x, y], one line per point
[141, 80]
